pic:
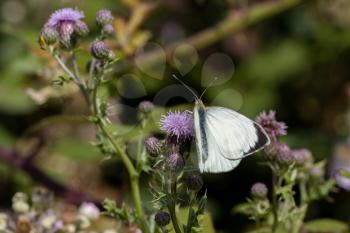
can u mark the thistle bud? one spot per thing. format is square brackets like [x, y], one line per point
[153, 146]
[108, 29]
[100, 50]
[81, 28]
[259, 190]
[146, 107]
[175, 162]
[49, 34]
[162, 218]
[194, 182]
[104, 17]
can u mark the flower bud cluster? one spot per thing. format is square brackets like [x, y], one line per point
[64, 26]
[104, 20]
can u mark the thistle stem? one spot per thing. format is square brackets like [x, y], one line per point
[172, 206]
[74, 75]
[133, 174]
[274, 202]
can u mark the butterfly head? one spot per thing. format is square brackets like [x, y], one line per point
[199, 104]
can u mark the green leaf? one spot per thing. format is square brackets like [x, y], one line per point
[326, 225]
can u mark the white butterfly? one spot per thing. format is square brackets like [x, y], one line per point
[224, 137]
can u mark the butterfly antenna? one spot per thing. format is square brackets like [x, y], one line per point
[210, 84]
[185, 85]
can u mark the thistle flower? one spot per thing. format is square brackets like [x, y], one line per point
[104, 17]
[100, 50]
[162, 218]
[63, 16]
[259, 190]
[194, 182]
[65, 22]
[153, 146]
[178, 125]
[273, 127]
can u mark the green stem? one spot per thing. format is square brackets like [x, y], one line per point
[190, 206]
[133, 174]
[274, 202]
[172, 210]
[74, 75]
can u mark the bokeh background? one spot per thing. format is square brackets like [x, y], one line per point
[295, 60]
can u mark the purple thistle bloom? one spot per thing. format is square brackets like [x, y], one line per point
[273, 127]
[65, 15]
[178, 124]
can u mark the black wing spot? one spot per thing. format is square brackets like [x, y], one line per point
[263, 140]
[203, 133]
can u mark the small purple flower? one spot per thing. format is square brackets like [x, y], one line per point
[178, 124]
[104, 17]
[273, 127]
[65, 15]
[259, 190]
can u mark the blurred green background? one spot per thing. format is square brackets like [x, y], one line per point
[296, 62]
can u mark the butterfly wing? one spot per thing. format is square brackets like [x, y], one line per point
[224, 137]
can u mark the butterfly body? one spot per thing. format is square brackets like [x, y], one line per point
[224, 137]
